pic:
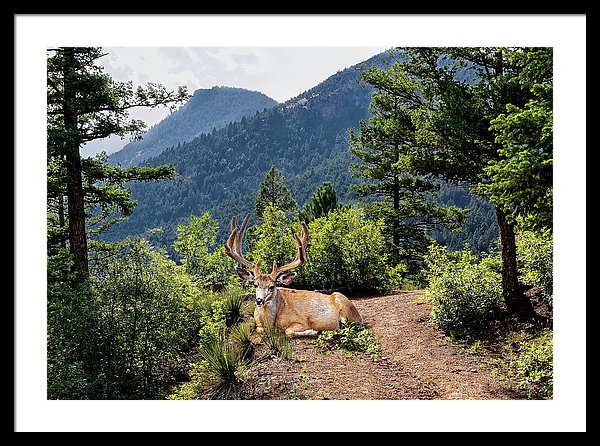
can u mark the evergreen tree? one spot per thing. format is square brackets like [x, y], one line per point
[323, 201]
[85, 104]
[274, 192]
[471, 131]
[522, 175]
[385, 148]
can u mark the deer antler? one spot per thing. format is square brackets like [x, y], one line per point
[302, 243]
[233, 247]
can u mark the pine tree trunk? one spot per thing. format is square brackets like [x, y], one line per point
[61, 220]
[396, 225]
[76, 211]
[516, 302]
[75, 198]
[396, 212]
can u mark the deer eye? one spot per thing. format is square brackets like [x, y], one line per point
[271, 288]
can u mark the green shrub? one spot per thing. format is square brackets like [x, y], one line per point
[534, 252]
[347, 252]
[222, 365]
[278, 343]
[68, 380]
[201, 256]
[241, 336]
[192, 389]
[352, 337]
[533, 367]
[212, 318]
[464, 292]
[224, 347]
[147, 328]
[73, 336]
[216, 311]
[125, 332]
[273, 240]
[234, 306]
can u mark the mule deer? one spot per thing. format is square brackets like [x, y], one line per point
[298, 313]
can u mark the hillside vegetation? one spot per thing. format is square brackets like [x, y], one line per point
[205, 111]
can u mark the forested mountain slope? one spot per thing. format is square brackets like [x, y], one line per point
[305, 138]
[207, 109]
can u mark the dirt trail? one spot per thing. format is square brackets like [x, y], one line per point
[415, 362]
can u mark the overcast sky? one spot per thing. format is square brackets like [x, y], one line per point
[279, 72]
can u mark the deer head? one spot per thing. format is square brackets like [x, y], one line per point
[266, 284]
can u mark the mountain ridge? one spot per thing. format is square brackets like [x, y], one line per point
[206, 110]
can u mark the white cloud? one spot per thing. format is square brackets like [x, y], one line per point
[279, 72]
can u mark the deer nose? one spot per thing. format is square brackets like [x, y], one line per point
[259, 301]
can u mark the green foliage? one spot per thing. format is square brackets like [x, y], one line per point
[347, 252]
[522, 176]
[67, 380]
[273, 192]
[73, 338]
[534, 251]
[224, 347]
[323, 201]
[218, 311]
[278, 343]
[200, 255]
[125, 333]
[234, 306]
[533, 368]
[192, 389]
[352, 337]
[85, 104]
[484, 119]
[108, 199]
[464, 292]
[212, 316]
[145, 319]
[273, 240]
[241, 337]
[387, 157]
[221, 365]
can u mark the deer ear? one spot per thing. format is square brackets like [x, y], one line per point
[286, 278]
[244, 273]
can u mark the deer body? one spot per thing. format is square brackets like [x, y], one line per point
[295, 312]
[304, 313]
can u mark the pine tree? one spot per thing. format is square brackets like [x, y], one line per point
[323, 201]
[385, 149]
[522, 176]
[474, 129]
[274, 192]
[85, 104]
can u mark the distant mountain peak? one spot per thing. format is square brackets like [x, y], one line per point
[207, 109]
